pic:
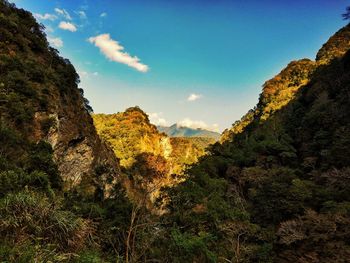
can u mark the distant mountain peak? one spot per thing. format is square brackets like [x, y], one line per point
[178, 130]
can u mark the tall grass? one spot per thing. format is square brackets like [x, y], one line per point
[31, 220]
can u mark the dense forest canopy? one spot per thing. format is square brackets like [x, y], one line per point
[276, 188]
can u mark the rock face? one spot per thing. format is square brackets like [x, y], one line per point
[77, 147]
[78, 150]
[41, 101]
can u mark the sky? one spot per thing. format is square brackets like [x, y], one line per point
[198, 63]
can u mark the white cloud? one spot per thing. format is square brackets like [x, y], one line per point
[81, 14]
[67, 26]
[55, 41]
[63, 13]
[95, 73]
[162, 122]
[194, 97]
[157, 119]
[115, 52]
[104, 14]
[45, 16]
[187, 122]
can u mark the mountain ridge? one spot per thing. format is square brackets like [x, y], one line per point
[278, 179]
[177, 130]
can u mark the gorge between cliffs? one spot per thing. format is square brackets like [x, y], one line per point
[80, 186]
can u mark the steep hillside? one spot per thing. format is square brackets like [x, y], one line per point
[130, 134]
[335, 47]
[57, 178]
[277, 93]
[179, 131]
[151, 159]
[41, 101]
[277, 188]
[281, 89]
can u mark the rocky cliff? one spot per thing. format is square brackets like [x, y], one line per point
[150, 159]
[41, 100]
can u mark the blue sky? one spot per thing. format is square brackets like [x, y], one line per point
[199, 63]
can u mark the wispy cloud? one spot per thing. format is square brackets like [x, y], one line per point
[67, 26]
[63, 13]
[115, 52]
[187, 122]
[104, 14]
[55, 41]
[81, 14]
[194, 97]
[45, 16]
[157, 118]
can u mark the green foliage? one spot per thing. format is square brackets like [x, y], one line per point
[191, 247]
[41, 158]
[277, 188]
[14, 181]
[31, 216]
[28, 252]
[36, 222]
[89, 257]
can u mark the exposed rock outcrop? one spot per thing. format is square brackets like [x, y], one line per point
[41, 100]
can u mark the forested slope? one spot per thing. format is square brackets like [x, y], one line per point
[277, 188]
[57, 178]
[150, 159]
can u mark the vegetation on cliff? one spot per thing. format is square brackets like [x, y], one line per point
[55, 173]
[150, 159]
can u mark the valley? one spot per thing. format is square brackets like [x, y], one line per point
[78, 186]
